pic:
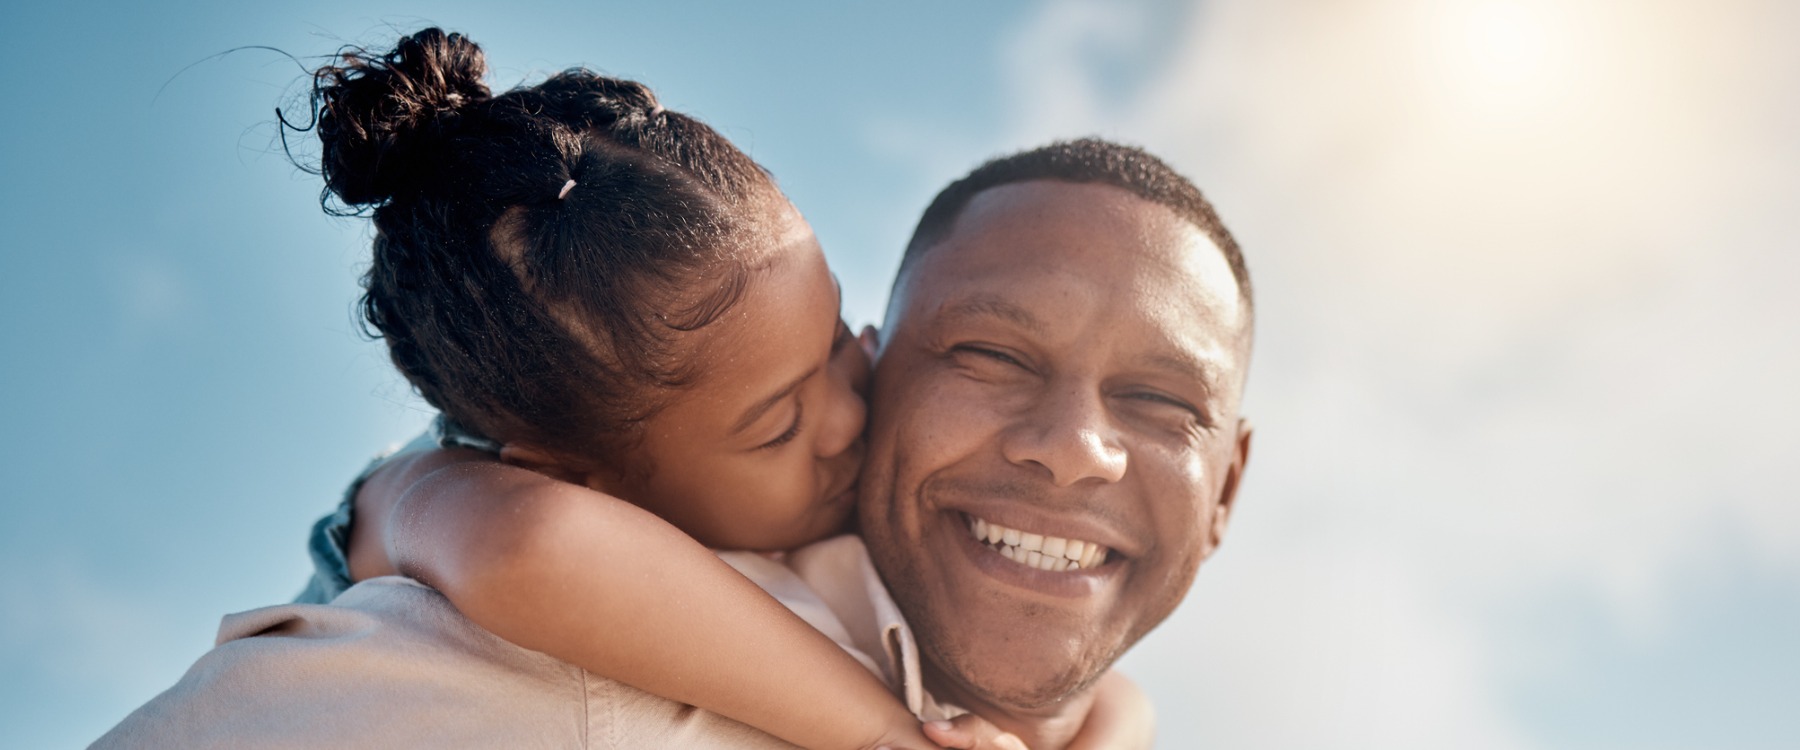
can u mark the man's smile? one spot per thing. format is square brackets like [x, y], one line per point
[1041, 551]
[1019, 554]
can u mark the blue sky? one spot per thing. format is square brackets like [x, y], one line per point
[1523, 475]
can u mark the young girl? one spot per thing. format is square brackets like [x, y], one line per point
[625, 309]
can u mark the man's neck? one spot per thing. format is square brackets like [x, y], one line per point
[1050, 727]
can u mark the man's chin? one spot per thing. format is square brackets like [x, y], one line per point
[991, 632]
[997, 632]
[1021, 656]
[1037, 686]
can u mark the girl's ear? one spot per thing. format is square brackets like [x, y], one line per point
[528, 456]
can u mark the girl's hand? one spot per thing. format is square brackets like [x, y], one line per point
[971, 732]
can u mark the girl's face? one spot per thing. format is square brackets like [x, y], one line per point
[762, 451]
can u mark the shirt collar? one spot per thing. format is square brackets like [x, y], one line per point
[840, 571]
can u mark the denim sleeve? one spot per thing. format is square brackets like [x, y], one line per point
[329, 544]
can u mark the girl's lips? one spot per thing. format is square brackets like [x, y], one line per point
[842, 498]
[844, 491]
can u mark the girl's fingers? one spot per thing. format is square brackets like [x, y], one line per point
[971, 732]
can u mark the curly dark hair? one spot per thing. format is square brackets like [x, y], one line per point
[521, 307]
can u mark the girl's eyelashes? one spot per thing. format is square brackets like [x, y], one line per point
[787, 436]
[837, 343]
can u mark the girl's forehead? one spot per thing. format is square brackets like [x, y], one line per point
[779, 328]
[769, 225]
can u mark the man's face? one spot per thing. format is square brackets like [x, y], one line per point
[1064, 367]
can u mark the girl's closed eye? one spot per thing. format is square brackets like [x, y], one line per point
[787, 435]
[838, 341]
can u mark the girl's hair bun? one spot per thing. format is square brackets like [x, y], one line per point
[382, 117]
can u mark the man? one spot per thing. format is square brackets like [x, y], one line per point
[1065, 352]
[1054, 447]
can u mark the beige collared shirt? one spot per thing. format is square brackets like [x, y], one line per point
[390, 663]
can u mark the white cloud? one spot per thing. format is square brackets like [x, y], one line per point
[1051, 64]
[1330, 646]
[1522, 270]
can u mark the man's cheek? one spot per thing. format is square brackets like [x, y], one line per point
[937, 421]
[970, 407]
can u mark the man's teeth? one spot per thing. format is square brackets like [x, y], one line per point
[1037, 550]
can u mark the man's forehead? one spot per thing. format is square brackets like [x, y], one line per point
[1013, 234]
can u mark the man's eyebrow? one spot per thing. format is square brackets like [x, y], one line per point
[993, 306]
[762, 407]
[1185, 365]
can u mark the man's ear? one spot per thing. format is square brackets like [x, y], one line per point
[1228, 493]
[870, 338]
[542, 461]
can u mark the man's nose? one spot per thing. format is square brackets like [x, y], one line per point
[1068, 433]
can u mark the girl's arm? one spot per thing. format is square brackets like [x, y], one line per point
[602, 584]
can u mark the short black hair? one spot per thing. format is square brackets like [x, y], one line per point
[1087, 160]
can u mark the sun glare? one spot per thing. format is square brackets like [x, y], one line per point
[1500, 53]
[1505, 43]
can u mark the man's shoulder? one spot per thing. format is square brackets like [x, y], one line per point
[535, 687]
[391, 663]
